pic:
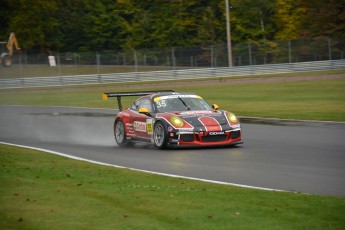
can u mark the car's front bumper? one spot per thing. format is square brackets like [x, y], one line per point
[188, 138]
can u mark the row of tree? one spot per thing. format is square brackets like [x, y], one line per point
[87, 25]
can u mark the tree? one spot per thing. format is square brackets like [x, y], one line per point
[322, 18]
[5, 13]
[70, 34]
[34, 22]
[103, 26]
[86, 25]
[253, 20]
[288, 18]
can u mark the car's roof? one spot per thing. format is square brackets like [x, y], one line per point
[159, 94]
[171, 93]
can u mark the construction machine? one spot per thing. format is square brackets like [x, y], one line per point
[7, 50]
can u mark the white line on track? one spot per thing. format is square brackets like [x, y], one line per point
[140, 170]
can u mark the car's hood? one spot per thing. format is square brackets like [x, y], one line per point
[191, 116]
[203, 120]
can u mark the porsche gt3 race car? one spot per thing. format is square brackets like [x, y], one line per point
[167, 118]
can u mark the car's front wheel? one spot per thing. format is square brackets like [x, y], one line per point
[160, 135]
[120, 133]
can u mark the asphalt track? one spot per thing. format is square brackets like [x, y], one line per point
[306, 157]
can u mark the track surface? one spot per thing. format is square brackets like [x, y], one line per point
[296, 156]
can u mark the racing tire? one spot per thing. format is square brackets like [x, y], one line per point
[120, 134]
[160, 135]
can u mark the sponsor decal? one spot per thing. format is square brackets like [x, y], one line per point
[186, 130]
[149, 126]
[216, 133]
[139, 126]
[170, 129]
[197, 112]
[175, 96]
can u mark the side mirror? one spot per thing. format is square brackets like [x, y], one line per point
[144, 111]
[215, 106]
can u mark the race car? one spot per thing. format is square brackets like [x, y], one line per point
[167, 118]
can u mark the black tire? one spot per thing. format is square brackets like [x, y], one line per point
[120, 134]
[160, 135]
[6, 61]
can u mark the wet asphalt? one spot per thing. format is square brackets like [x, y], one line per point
[299, 156]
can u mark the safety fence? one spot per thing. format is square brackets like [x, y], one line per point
[171, 74]
[261, 52]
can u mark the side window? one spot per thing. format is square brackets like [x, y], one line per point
[135, 105]
[145, 103]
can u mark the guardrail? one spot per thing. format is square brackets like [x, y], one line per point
[171, 75]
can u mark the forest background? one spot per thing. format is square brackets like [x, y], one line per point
[96, 25]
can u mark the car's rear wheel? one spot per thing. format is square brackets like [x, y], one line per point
[160, 135]
[120, 134]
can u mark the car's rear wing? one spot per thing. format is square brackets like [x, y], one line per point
[128, 94]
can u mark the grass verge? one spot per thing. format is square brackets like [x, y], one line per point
[306, 100]
[44, 191]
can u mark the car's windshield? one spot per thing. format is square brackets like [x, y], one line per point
[171, 103]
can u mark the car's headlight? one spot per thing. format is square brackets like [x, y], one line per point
[176, 121]
[232, 118]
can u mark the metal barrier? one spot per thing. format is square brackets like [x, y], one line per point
[171, 75]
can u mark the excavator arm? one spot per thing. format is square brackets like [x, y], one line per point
[6, 55]
[12, 41]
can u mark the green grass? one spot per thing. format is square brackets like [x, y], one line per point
[44, 191]
[307, 100]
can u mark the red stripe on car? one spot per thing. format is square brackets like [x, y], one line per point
[211, 124]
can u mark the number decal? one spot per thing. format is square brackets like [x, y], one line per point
[161, 103]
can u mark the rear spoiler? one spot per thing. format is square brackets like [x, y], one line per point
[129, 94]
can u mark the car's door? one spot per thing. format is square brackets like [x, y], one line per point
[142, 123]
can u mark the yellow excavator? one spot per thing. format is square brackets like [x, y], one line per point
[7, 50]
